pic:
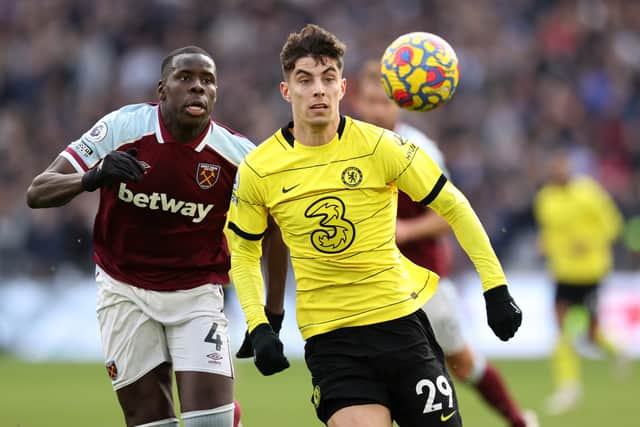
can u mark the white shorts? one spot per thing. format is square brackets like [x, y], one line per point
[141, 329]
[442, 311]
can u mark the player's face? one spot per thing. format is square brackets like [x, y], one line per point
[375, 107]
[189, 90]
[560, 168]
[314, 89]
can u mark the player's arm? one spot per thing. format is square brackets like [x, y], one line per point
[503, 315]
[606, 211]
[421, 178]
[424, 226]
[57, 185]
[247, 226]
[60, 182]
[275, 257]
[86, 165]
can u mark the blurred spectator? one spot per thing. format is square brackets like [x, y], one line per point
[535, 74]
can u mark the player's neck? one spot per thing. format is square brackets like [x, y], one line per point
[307, 134]
[180, 133]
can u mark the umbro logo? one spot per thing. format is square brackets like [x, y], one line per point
[287, 189]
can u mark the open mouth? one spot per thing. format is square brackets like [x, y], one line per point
[319, 106]
[196, 108]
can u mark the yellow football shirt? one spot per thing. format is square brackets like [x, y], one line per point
[578, 223]
[336, 207]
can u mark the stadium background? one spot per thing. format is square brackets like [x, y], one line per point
[535, 75]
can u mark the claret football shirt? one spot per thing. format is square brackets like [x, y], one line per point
[165, 232]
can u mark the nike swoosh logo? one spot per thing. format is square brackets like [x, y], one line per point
[444, 418]
[287, 189]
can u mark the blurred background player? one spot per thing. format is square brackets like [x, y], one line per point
[578, 224]
[165, 173]
[421, 237]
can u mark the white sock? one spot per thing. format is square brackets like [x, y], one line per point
[478, 368]
[221, 416]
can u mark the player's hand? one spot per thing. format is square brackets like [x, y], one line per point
[246, 349]
[503, 314]
[268, 354]
[117, 166]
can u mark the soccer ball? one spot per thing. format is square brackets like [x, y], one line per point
[419, 71]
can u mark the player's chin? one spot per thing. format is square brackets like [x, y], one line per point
[319, 118]
[194, 119]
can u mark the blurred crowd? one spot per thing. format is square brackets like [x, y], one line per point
[534, 75]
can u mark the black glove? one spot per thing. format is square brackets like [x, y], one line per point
[246, 349]
[117, 166]
[503, 315]
[269, 357]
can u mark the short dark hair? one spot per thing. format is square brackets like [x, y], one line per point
[312, 40]
[168, 60]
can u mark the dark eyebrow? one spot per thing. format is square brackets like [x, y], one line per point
[306, 73]
[190, 71]
[327, 70]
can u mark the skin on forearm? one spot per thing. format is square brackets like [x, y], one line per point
[276, 257]
[427, 225]
[56, 186]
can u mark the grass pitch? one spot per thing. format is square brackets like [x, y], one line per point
[71, 394]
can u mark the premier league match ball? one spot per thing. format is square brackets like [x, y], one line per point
[419, 71]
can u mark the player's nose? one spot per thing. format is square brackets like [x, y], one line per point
[197, 86]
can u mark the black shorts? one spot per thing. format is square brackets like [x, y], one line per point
[397, 364]
[585, 295]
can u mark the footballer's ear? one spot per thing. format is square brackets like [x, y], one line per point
[284, 91]
[343, 88]
[162, 95]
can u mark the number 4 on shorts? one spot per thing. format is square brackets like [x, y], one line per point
[210, 337]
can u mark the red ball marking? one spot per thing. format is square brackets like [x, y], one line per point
[435, 78]
[403, 56]
[402, 97]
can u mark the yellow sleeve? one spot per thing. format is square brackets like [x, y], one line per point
[453, 206]
[421, 178]
[247, 225]
[606, 211]
[410, 168]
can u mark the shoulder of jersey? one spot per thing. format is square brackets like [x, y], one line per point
[135, 111]
[267, 154]
[231, 144]
[370, 133]
[128, 122]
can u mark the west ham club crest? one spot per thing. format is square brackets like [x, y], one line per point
[207, 175]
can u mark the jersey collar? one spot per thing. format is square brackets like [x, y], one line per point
[288, 136]
[163, 136]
